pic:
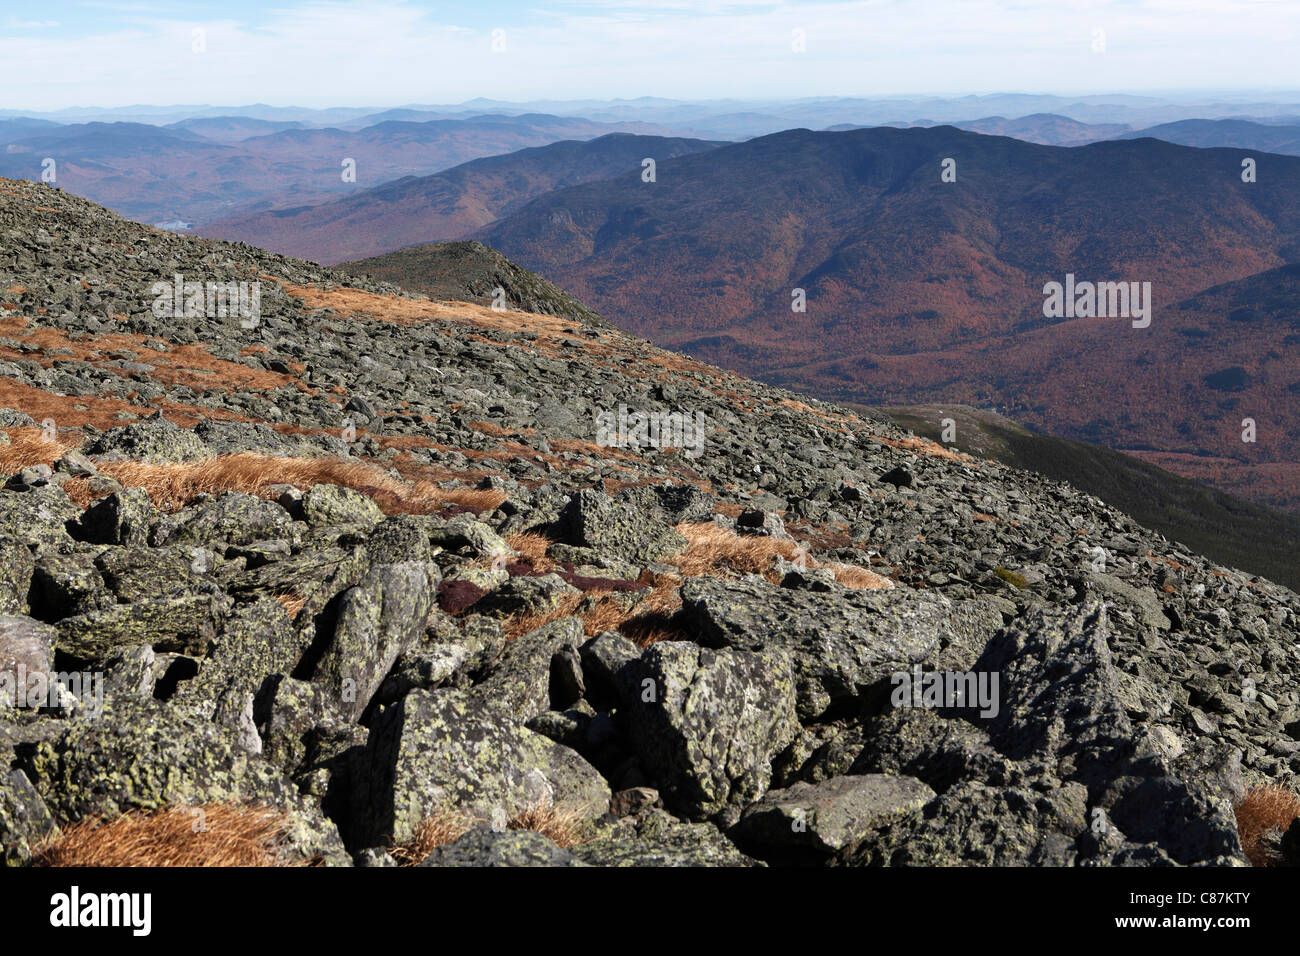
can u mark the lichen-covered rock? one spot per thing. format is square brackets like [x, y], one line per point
[146, 755]
[25, 820]
[466, 535]
[484, 846]
[821, 819]
[1144, 600]
[707, 723]
[658, 839]
[678, 502]
[622, 528]
[840, 644]
[64, 584]
[187, 624]
[256, 640]
[977, 824]
[39, 518]
[526, 595]
[522, 678]
[153, 439]
[333, 505]
[123, 518]
[230, 518]
[401, 538]
[441, 749]
[15, 576]
[1058, 775]
[452, 657]
[383, 616]
[300, 727]
[603, 658]
[135, 573]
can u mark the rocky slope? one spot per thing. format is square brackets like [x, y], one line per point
[362, 557]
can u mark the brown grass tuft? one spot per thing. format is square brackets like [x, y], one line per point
[443, 827]
[213, 835]
[564, 826]
[532, 547]
[714, 550]
[26, 448]
[292, 603]
[172, 485]
[1264, 810]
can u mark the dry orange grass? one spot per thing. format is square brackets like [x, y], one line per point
[607, 614]
[219, 835]
[714, 550]
[564, 826]
[443, 827]
[27, 447]
[1261, 812]
[481, 499]
[171, 486]
[292, 603]
[409, 312]
[923, 446]
[710, 550]
[531, 546]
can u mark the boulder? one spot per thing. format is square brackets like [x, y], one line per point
[621, 528]
[25, 820]
[483, 846]
[524, 678]
[824, 818]
[335, 505]
[444, 749]
[384, 615]
[146, 756]
[707, 723]
[840, 644]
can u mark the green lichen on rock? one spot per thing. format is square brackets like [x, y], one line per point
[445, 749]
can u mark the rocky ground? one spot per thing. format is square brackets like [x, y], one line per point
[364, 562]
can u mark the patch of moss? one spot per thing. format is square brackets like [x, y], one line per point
[1015, 580]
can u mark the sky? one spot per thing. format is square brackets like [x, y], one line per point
[318, 53]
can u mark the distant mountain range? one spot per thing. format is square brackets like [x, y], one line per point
[1232, 133]
[445, 205]
[202, 169]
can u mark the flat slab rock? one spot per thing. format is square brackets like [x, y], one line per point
[839, 644]
[483, 846]
[827, 817]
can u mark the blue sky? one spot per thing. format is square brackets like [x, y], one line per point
[321, 53]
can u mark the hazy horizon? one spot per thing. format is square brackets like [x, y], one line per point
[317, 53]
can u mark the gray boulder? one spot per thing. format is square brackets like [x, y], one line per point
[840, 644]
[822, 819]
[443, 749]
[383, 616]
[483, 846]
[707, 723]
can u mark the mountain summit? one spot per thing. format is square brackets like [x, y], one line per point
[437, 582]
